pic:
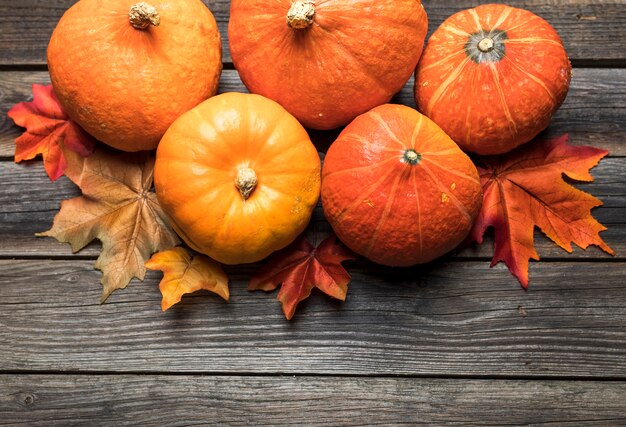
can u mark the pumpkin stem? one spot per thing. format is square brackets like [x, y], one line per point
[246, 182]
[142, 15]
[301, 14]
[486, 45]
[412, 157]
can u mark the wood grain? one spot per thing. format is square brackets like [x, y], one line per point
[44, 400]
[593, 32]
[449, 319]
[593, 114]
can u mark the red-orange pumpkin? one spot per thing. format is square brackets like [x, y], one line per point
[125, 70]
[492, 77]
[326, 61]
[397, 190]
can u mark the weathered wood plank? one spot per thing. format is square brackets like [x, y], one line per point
[594, 112]
[29, 201]
[593, 32]
[458, 318]
[44, 400]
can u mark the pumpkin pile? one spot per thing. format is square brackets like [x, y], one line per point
[237, 175]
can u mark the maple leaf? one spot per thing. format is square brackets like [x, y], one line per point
[525, 188]
[300, 267]
[48, 131]
[117, 208]
[183, 274]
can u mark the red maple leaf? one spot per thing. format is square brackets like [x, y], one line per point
[300, 267]
[48, 131]
[525, 188]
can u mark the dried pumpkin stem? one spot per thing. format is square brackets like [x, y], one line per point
[412, 157]
[246, 181]
[301, 14]
[486, 45]
[142, 15]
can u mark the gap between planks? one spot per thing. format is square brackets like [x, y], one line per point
[253, 374]
[576, 63]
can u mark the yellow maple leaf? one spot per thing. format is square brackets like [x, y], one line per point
[183, 274]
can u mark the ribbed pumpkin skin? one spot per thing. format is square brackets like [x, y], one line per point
[197, 163]
[356, 55]
[126, 86]
[388, 210]
[496, 104]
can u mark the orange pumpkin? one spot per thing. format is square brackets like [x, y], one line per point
[238, 177]
[326, 61]
[492, 77]
[125, 70]
[397, 190]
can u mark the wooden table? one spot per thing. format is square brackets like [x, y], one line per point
[451, 342]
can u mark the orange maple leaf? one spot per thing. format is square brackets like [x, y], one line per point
[48, 131]
[183, 274]
[525, 188]
[300, 267]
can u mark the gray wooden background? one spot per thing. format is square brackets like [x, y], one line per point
[453, 342]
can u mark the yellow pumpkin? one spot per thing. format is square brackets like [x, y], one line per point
[238, 176]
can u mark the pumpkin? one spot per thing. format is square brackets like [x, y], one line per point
[125, 70]
[492, 77]
[397, 190]
[238, 176]
[326, 62]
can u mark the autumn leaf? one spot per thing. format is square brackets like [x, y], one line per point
[525, 188]
[118, 208]
[300, 267]
[48, 131]
[183, 274]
